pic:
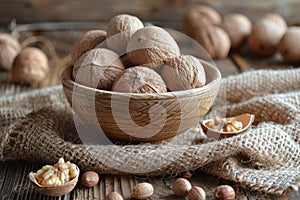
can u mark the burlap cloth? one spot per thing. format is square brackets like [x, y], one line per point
[38, 126]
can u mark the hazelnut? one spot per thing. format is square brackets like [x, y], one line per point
[238, 27]
[196, 193]
[288, 46]
[30, 66]
[151, 45]
[9, 49]
[89, 40]
[183, 73]
[120, 29]
[89, 179]
[266, 34]
[181, 187]
[98, 68]
[214, 40]
[198, 17]
[142, 191]
[113, 196]
[224, 192]
[140, 79]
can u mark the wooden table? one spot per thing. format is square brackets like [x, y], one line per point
[14, 184]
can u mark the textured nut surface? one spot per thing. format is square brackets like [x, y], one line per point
[98, 68]
[183, 73]
[238, 27]
[151, 44]
[196, 193]
[113, 196]
[200, 16]
[30, 66]
[224, 192]
[120, 29]
[181, 187]
[9, 49]
[214, 40]
[89, 179]
[142, 191]
[288, 46]
[89, 40]
[266, 34]
[140, 79]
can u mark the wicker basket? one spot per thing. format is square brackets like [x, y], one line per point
[132, 117]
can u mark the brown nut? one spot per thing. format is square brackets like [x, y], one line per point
[238, 27]
[183, 73]
[113, 196]
[224, 192]
[266, 34]
[288, 46]
[9, 49]
[142, 191]
[120, 29]
[89, 179]
[98, 68]
[214, 40]
[181, 187]
[89, 40]
[151, 45]
[196, 193]
[198, 17]
[30, 66]
[139, 79]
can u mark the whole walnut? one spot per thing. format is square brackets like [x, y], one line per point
[89, 40]
[120, 29]
[98, 68]
[238, 27]
[183, 73]
[140, 79]
[266, 34]
[214, 40]
[30, 66]
[151, 45]
[198, 17]
[9, 49]
[288, 46]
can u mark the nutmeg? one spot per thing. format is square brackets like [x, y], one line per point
[151, 45]
[113, 196]
[98, 68]
[120, 29]
[89, 179]
[30, 66]
[183, 73]
[142, 191]
[224, 192]
[198, 17]
[9, 49]
[89, 40]
[266, 34]
[288, 46]
[238, 27]
[181, 187]
[196, 193]
[214, 40]
[140, 79]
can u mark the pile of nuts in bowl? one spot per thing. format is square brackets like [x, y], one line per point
[131, 58]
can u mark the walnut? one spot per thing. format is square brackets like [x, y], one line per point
[140, 79]
[120, 29]
[214, 40]
[9, 49]
[89, 40]
[151, 45]
[98, 68]
[198, 17]
[183, 72]
[30, 66]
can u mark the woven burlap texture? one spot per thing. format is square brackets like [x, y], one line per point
[38, 126]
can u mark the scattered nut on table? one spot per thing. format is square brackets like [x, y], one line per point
[181, 187]
[224, 192]
[196, 193]
[89, 179]
[142, 191]
[113, 196]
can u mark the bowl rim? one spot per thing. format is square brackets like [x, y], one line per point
[68, 83]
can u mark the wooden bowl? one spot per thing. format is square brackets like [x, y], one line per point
[125, 116]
